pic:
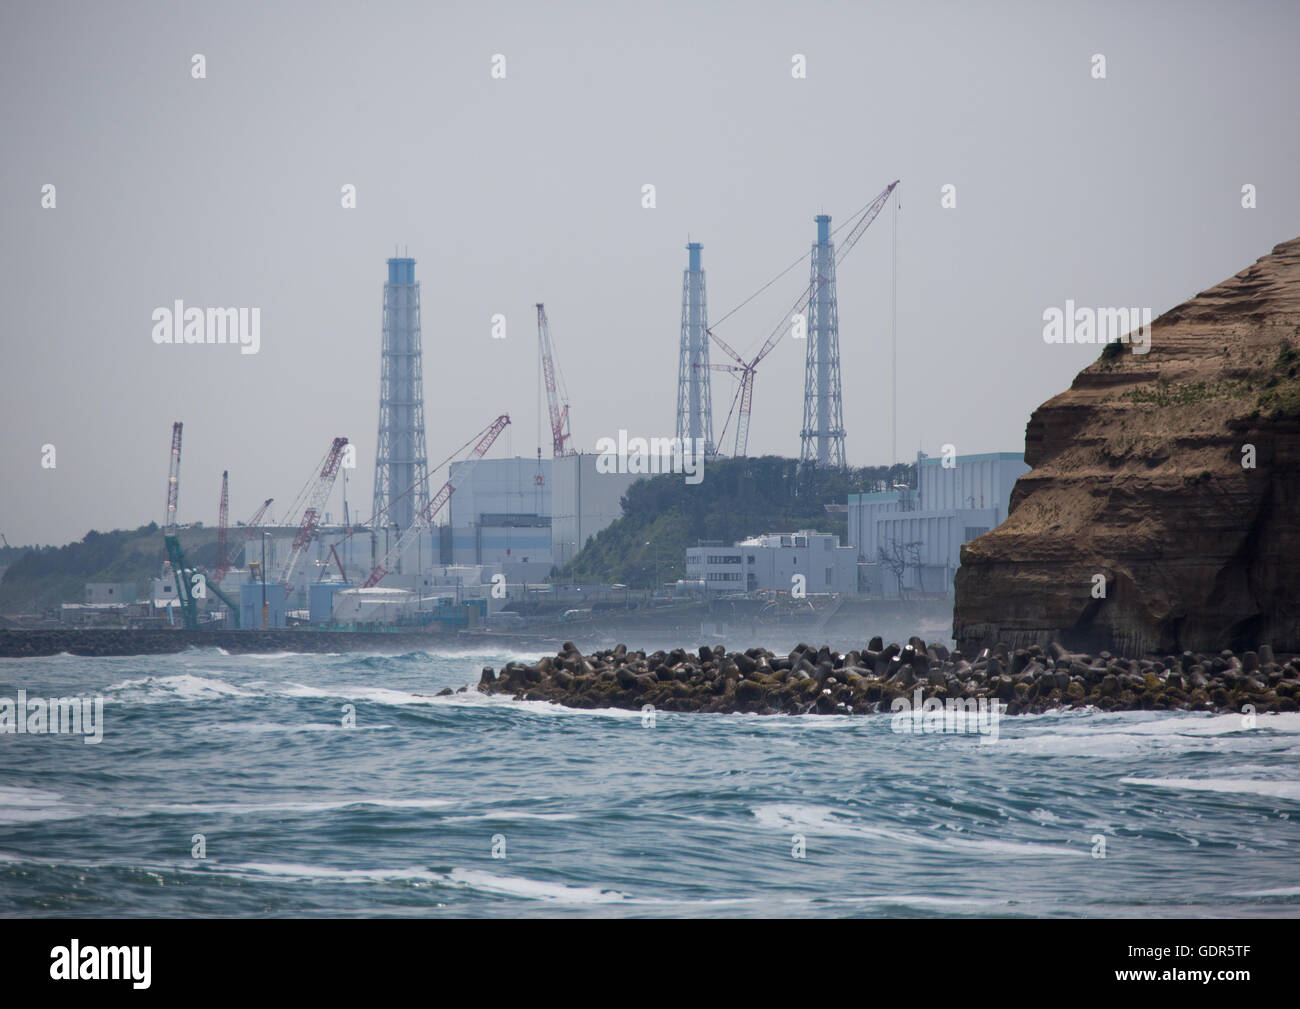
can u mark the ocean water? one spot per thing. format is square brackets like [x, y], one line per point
[598, 814]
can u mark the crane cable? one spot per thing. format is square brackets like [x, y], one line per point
[851, 218]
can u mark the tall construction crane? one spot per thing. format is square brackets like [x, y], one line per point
[250, 529]
[320, 491]
[173, 479]
[223, 520]
[745, 369]
[191, 584]
[430, 512]
[559, 407]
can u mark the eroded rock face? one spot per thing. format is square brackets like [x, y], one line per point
[1137, 474]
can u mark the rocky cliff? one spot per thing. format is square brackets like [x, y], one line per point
[1174, 476]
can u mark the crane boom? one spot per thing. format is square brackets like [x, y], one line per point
[311, 515]
[559, 411]
[173, 479]
[435, 504]
[224, 560]
[223, 519]
[745, 392]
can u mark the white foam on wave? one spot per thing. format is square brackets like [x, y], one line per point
[509, 815]
[822, 820]
[260, 727]
[377, 695]
[515, 886]
[471, 879]
[298, 871]
[1120, 735]
[180, 687]
[295, 807]
[33, 805]
[1231, 786]
[30, 806]
[473, 698]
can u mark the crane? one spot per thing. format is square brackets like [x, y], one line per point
[559, 408]
[746, 369]
[190, 583]
[224, 560]
[320, 491]
[223, 519]
[173, 479]
[430, 512]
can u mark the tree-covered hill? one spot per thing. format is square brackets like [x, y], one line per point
[738, 498]
[41, 577]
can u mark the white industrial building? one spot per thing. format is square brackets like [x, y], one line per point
[770, 564]
[501, 515]
[583, 502]
[920, 532]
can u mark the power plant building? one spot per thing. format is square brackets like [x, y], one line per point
[806, 562]
[917, 535]
[583, 502]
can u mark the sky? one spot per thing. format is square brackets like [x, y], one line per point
[226, 190]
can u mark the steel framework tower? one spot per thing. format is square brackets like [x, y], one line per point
[694, 398]
[401, 463]
[823, 413]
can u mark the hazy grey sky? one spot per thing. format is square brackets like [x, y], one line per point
[226, 191]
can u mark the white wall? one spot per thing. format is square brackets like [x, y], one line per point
[583, 503]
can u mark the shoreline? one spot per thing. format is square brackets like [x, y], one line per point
[821, 681]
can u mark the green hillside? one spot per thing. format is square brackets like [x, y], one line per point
[42, 577]
[738, 498]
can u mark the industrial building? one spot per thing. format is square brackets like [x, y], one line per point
[583, 502]
[770, 564]
[909, 540]
[514, 520]
[501, 514]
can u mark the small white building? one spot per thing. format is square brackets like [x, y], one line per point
[770, 564]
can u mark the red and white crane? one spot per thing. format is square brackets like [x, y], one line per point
[430, 511]
[320, 491]
[173, 479]
[559, 407]
[226, 557]
[223, 520]
[745, 369]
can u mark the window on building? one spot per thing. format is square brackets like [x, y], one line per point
[829, 572]
[973, 531]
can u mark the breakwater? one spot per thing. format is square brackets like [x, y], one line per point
[821, 681]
